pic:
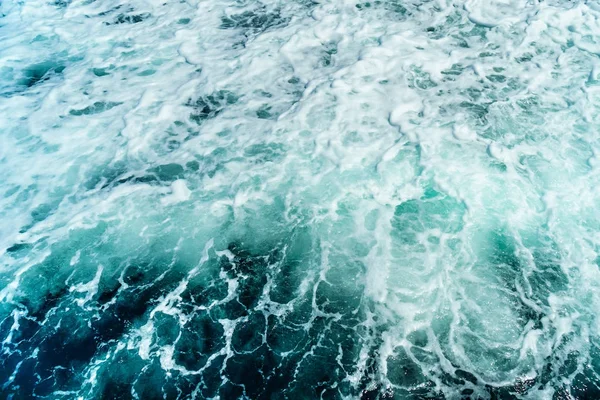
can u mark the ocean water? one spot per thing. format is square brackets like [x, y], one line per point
[300, 199]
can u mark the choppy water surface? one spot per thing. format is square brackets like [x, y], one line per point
[299, 199]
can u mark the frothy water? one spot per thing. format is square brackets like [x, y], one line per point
[299, 199]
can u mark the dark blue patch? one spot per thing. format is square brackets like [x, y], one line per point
[210, 106]
[37, 73]
[129, 19]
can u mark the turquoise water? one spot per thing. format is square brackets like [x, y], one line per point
[300, 199]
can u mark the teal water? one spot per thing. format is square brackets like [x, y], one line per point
[301, 199]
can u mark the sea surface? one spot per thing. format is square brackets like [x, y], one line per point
[299, 199]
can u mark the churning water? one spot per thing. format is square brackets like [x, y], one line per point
[299, 199]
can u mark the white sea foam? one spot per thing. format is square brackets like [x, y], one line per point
[426, 167]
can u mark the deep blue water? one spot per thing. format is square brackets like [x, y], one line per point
[302, 199]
